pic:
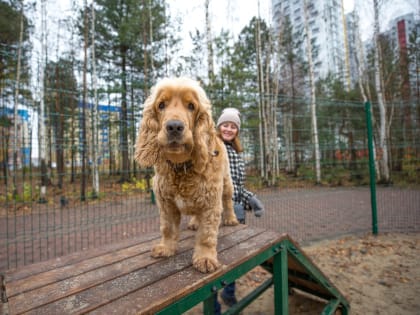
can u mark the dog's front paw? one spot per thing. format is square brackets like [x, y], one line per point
[206, 264]
[162, 251]
[230, 221]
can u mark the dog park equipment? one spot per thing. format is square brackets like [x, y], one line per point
[122, 278]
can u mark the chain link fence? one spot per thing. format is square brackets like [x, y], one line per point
[33, 229]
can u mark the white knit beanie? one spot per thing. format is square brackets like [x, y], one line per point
[230, 114]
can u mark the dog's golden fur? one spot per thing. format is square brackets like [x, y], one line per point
[178, 137]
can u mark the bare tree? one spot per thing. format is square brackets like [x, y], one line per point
[73, 110]
[383, 142]
[145, 34]
[359, 58]
[268, 122]
[272, 92]
[361, 68]
[152, 64]
[210, 55]
[95, 142]
[291, 78]
[41, 118]
[313, 96]
[261, 107]
[275, 94]
[84, 100]
[15, 120]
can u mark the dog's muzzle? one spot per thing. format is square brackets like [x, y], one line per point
[174, 129]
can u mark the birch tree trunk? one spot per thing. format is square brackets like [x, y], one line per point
[261, 109]
[15, 114]
[210, 54]
[362, 81]
[271, 116]
[272, 99]
[95, 142]
[41, 118]
[359, 57]
[383, 147]
[268, 136]
[313, 97]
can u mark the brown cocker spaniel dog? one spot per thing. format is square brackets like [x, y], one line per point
[177, 136]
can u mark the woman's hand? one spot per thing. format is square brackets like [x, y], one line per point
[256, 206]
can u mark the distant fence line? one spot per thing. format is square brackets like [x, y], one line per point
[31, 231]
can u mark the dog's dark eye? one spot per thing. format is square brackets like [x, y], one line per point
[161, 105]
[191, 106]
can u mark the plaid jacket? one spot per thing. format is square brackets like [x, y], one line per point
[237, 172]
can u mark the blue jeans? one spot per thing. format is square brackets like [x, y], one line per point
[239, 212]
[229, 292]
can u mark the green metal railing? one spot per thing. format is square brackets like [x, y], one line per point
[275, 259]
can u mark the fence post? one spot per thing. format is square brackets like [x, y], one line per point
[372, 178]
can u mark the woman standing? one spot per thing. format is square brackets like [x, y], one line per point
[228, 126]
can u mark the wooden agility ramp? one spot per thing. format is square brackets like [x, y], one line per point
[123, 278]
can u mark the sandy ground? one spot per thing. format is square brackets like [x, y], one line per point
[377, 274]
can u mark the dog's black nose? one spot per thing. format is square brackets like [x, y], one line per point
[174, 128]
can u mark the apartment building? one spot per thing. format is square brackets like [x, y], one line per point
[19, 142]
[351, 43]
[326, 27]
[400, 29]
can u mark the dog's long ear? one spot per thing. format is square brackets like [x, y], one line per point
[204, 139]
[147, 148]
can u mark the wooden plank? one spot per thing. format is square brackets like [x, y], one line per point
[84, 266]
[300, 276]
[124, 278]
[180, 284]
[73, 258]
[69, 280]
[109, 291]
[310, 286]
[294, 265]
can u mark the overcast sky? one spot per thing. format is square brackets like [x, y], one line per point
[235, 14]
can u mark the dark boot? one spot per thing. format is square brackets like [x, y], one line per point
[228, 295]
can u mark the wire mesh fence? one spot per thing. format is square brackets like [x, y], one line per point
[33, 229]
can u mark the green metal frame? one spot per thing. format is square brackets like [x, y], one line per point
[372, 170]
[279, 269]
